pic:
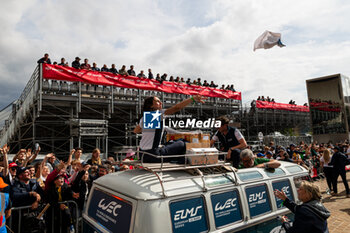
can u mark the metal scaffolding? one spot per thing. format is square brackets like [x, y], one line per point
[61, 115]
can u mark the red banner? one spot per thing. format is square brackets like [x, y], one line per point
[280, 106]
[325, 107]
[108, 79]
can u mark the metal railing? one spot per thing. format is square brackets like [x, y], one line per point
[24, 211]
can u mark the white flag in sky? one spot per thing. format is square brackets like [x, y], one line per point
[268, 40]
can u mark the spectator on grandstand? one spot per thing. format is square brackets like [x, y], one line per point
[227, 87]
[199, 82]
[131, 71]
[188, 82]
[113, 70]
[171, 79]
[327, 169]
[141, 74]
[150, 74]
[85, 65]
[158, 78]
[249, 160]
[339, 161]
[104, 68]
[45, 59]
[63, 62]
[94, 67]
[6, 205]
[262, 98]
[123, 71]
[305, 105]
[205, 83]
[59, 215]
[194, 82]
[268, 99]
[55, 63]
[182, 80]
[231, 139]
[212, 84]
[222, 87]
[76, 63]
[232, 88]
[95, 157]
[26, 191]
[273, 100]
[163, 77]
[311, 215]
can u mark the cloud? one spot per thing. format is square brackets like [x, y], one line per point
[208, 39]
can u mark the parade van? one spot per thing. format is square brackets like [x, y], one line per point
[174, 198]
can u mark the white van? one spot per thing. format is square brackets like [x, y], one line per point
[210, 198]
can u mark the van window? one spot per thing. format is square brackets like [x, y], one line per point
[258, 200]
[110, 211]
[189, 215]
[226, 208]
[287, 189]
[294, 169]
[244, 176]
[220, 180]
[274, 172]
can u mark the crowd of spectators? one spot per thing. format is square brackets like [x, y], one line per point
[52, 181]
[272, 100]
[131, 72]
[268, 99]
[322, 160]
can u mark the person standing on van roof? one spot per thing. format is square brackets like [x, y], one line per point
[248, 160]
[231, 139]
[151, 137]
[311, 216]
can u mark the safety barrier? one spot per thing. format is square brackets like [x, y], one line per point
[19, 216]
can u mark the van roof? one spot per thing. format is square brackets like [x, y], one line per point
[144, 185]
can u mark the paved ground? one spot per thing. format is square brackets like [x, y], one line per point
[339, 207]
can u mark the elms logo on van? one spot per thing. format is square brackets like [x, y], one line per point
[185, 213]
[257, 196]
[110, 207]
[230, 203]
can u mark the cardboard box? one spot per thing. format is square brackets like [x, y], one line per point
[205, 156]
[190, 145]
[192, 137]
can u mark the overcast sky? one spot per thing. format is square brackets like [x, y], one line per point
[190, 38]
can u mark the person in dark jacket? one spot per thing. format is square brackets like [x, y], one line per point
[76, 63]
[58, 192]
[311, 216]
[45, 59]
[231, 139]
[82, 185]
[25, 191]
[339, 161]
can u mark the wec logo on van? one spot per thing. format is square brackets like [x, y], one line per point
[228, 204]
[111, 207]
[183, 214]
[256, 196]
